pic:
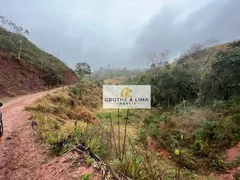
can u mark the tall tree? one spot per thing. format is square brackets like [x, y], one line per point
[226, 74]
[82, 69]
[199, 57]
[158, 61]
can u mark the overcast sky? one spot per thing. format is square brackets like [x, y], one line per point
[122, 32]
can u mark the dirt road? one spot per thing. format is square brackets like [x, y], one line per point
[21, 157]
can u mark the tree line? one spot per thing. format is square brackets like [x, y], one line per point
[12, 26]
[109, 72]
[202, 74]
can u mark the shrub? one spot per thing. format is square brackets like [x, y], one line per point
[64, 137]
[86, 177]
[89, 161]
[97, 138]
[236, 175]
[147, 165]
[154, 131]
[235, 43]
[131, 165]
[142, 135]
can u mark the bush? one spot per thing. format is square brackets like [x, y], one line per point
[86, 177]
[235, 43]
[154, 130]
[236, 175]
[139, 164]
[97, 138]
[220, 132]
[61, 138]
[89, 161]
[131, 165]
[142, 135]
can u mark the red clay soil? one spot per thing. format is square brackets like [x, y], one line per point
[232, 154]
[18, 76]
[22, 158]
[69, 77]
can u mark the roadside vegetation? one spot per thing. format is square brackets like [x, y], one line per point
[66, 115]
[73, 116]
[194, 118]
[199, 95]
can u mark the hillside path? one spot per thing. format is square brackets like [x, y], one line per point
[21, 157]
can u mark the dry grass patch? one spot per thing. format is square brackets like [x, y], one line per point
[64, 119]
[186, 123]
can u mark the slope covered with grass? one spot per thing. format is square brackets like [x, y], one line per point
[194, 120]
[74, 116]
[62, 117]
[198, 97]
[52, 68]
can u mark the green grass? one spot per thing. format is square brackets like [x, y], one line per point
[64, 120]
[55, 115]
[104, 114]
[202, 134]
[51, 66]
[86, 177]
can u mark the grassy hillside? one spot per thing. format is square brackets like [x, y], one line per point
[74, 115]
[52, 68]
[188, 134]
[199, 96]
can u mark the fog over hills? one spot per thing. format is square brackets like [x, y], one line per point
[121, 32]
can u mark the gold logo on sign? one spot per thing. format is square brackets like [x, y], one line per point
[126, 92]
